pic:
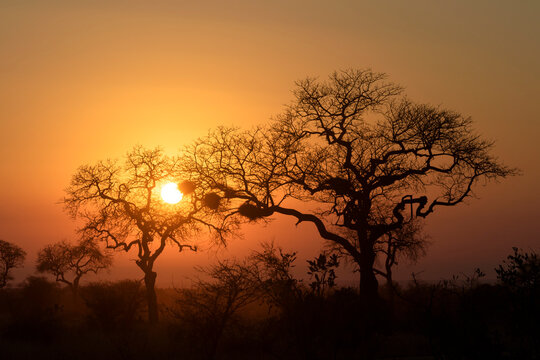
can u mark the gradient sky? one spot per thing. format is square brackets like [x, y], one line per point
[82, 81]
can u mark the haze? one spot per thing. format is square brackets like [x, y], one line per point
[87, 80]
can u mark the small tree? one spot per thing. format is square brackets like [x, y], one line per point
[11, 256]
[64, 260]
[121, 205]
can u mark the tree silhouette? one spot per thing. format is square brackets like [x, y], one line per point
[358, 155]
[11, 256]
[121, 205]
[62, 258]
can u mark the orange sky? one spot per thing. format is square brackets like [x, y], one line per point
[82, 81]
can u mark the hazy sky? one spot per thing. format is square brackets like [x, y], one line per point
[82, 81]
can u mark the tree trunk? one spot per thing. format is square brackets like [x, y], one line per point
[369, 286]
[217, 336]
[389, 279]
[390, 291]
[151, 297]
[374, 314]
[75, 287]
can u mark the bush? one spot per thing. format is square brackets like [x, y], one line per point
[114, 305]
[35, 310]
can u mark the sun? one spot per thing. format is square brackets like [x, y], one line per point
[170, 193]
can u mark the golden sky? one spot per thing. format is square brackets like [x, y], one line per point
[82, 81]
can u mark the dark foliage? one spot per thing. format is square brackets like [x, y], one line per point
[255, 308]
[33, 310]
[322, 271]
[520, 271]
[114, 305]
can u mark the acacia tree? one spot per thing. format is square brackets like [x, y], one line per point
[358, 155]
[11, 256]
[120, 204]
[62, 258]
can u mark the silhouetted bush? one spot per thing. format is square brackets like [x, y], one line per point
[520, 272]
[257, 309]
[114, 305]
[35, 310]
[519, 276]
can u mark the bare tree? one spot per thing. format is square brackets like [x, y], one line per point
[120, 204]
[11, 256]
[357, 155]
[64, 260]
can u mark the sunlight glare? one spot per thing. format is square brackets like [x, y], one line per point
[170, 193]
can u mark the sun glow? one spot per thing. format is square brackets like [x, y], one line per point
[170, 193]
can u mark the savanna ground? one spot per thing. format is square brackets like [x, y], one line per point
[231, 317]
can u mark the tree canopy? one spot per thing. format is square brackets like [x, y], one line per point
[120, 204]
[68, 263]
[358, 154]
